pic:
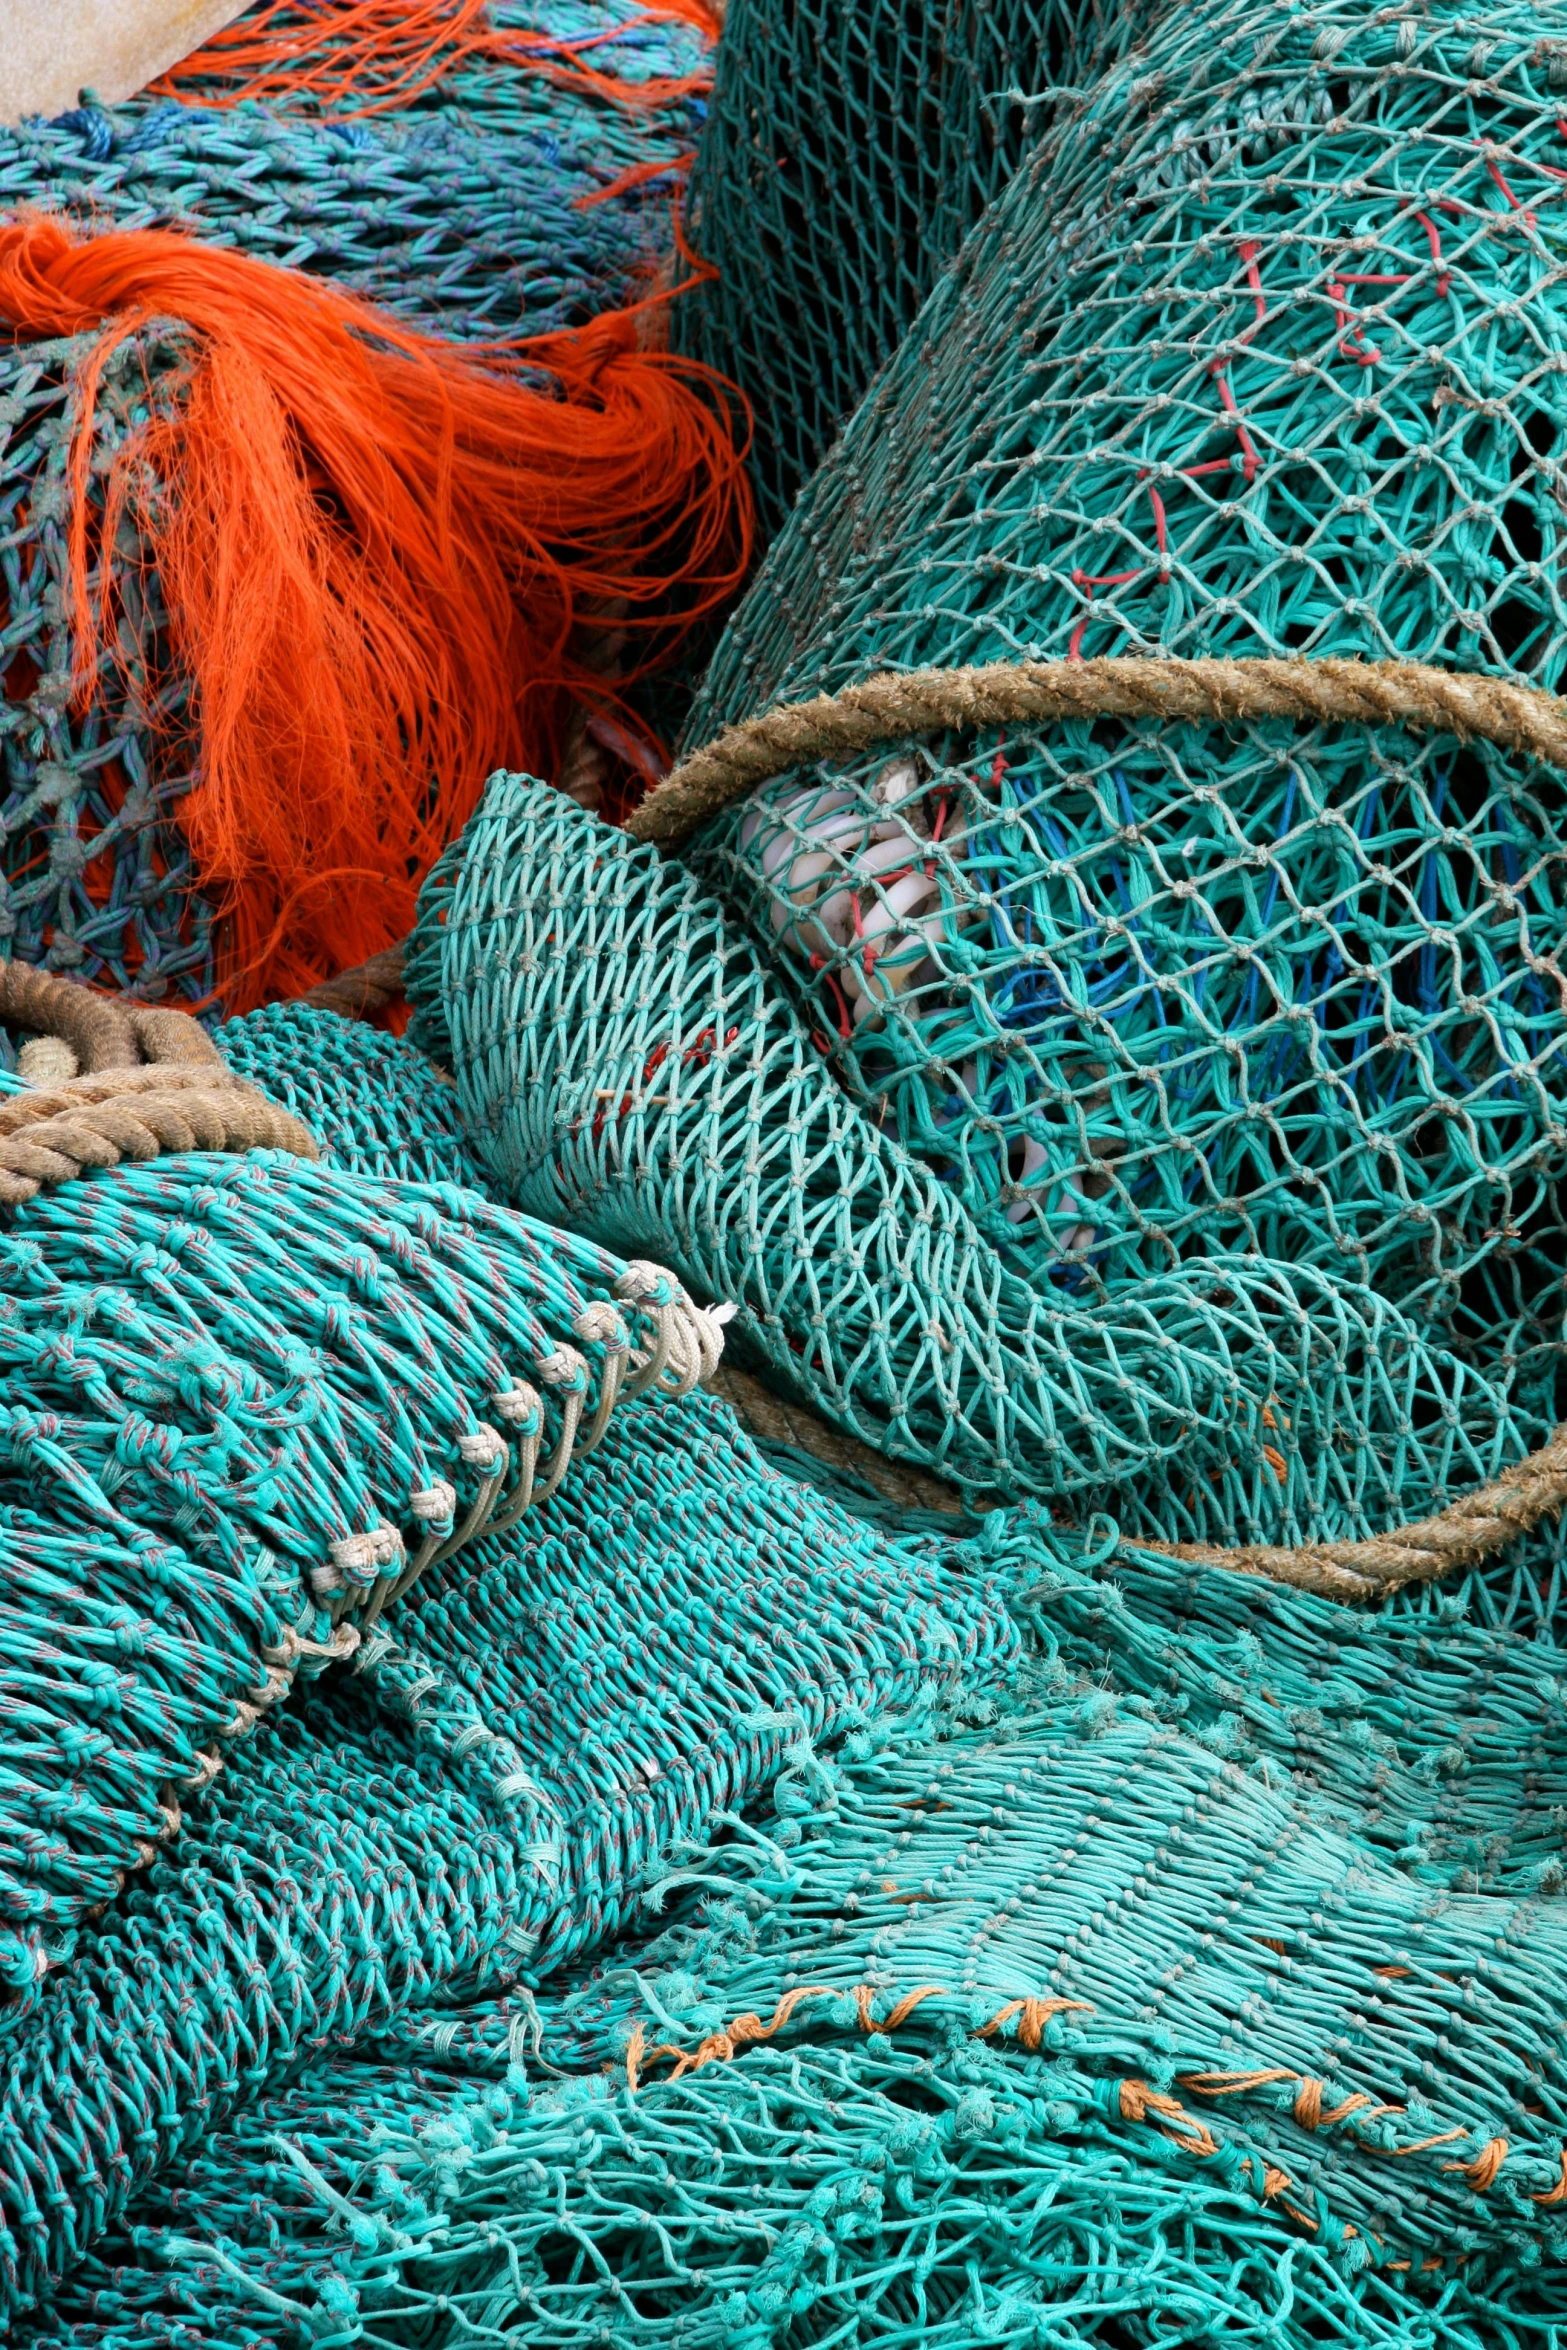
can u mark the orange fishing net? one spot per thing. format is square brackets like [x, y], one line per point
[363, 56]
[379, 560]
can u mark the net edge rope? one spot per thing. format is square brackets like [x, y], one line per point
[1334, 690]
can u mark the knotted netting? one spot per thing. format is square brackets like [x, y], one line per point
[376, 1105]
[841, 2188]
[492, 204]
[627, 1064]
[1257, 359]
[964, 2038]
[522, 1748]
[847, 152]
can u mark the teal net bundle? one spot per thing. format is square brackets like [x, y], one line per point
[628, 1064]
[375, 1104]
[1253, 361]
[522, 1748]
[1057, 2030]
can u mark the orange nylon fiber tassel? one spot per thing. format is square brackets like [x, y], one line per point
[373, 553]
[361, 56]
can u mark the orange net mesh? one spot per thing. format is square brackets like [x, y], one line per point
[379, 562]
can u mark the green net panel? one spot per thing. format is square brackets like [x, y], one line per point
[523, 1749]
[1375, 2058]
[848, 151]
[1259, 355]
[374, 1103]
[873, 2192]
[1211, 1762]
[627, 1065]
[247, 1402]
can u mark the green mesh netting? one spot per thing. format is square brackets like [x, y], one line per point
[848, 151]
[247, 1401]
[872, 2192]
[376, 1105]
[1185, 1831]
[1377, 2058]
[524, 1745]
[627, 1065]
[1274, 371]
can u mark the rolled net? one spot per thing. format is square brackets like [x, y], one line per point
[1253, 359]
[627, 1064]
[846, 154]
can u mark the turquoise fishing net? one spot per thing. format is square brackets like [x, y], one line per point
[847, 152]
[521, 1751]
[376, 1105]
[1198, 1758]
[628, 1065]
[841, 2190]
[1257, 355]
[247, 1401]
[95, 878]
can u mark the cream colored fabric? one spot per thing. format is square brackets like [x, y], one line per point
[51, 50]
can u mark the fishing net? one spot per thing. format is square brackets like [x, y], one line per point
[376, 1106]
[497, 204]
[232, 697]
[363, 58]
[865, 2189]
[524, 1747]
[247, 1401]
[764, 2164]
[628, 1066]
[1254, 360]
[847, 153]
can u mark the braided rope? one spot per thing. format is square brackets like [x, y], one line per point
[182, 1097]
[1467, 1532]
[894, 704]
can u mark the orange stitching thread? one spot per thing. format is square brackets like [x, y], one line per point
[1558, 2193]
[1231, 2084]
[1485, 2165]
[1309, 2113]
[1033, 2016]
[1421, 2145]
[1139, 2103]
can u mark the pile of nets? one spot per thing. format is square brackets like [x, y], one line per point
[1118, 2006]
[626, 1063]
[1263, 376]
[522, 1749]
[286, 580]
[197, 746]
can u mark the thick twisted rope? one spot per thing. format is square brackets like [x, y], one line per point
[151, 1081]
[894, 704]
[1463, 1535]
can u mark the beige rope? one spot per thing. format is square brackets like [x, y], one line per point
[1462, 1535]
[183, 1097]
[886, 708]
[775, 1421]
